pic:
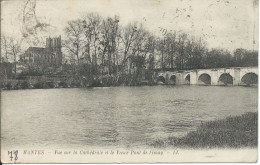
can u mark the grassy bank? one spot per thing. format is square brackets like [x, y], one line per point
[232, 132]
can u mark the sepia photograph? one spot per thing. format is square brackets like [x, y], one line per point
[129, 81]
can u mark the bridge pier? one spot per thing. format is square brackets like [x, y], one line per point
[193, 78]
[179, 79]
[236, 78]
[214, 77]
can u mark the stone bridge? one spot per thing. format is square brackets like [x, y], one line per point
[216, 76]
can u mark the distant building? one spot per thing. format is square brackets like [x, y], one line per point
[51, 55]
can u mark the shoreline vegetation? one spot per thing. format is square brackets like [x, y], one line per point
[43, 82]
[231, 132]
[22, 85]
[49, 82]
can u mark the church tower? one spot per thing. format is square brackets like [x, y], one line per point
[53, 46]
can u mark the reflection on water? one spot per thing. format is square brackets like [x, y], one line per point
[117, 116]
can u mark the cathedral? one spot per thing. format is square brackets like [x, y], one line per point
[51, 55]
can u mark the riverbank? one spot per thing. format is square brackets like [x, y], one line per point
[232, 132]
[47, 82]
[20, 85]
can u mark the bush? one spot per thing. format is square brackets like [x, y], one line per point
[8, 86]
[38, 85]
[75, 84]
[51, 84]
[25, 85]
[17, 85]
[41, 85]
[63, 84]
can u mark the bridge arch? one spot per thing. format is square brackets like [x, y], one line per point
[161, 79]
[250, 78]
[204, 79]
[187, 79]
[173, 79]
[225, 79]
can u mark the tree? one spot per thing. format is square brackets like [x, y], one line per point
[245, 58]
[4, 48]
[11, 48]
[238, 56]
[161, 49]
[75, 43]
[197, 54]
[218, 58]
[92, 32]
[151, 46]
[171, 46]
[182, 40]
[128, 36]
[101, 46]
[110, 34]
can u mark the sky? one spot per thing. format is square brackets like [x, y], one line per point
[227, 24]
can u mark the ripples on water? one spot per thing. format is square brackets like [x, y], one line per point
[116, 116]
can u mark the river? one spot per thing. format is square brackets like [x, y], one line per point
[115, 116]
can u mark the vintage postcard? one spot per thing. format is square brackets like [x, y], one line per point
[129, 81]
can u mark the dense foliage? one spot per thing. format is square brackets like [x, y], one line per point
[110, 48]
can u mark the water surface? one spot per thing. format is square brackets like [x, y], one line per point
[116, 116]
